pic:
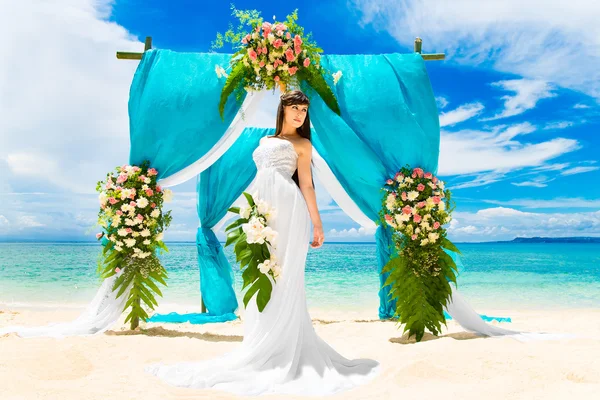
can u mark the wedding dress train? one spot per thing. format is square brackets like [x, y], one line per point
[281, 352]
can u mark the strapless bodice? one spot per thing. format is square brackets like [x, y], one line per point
[276, 153]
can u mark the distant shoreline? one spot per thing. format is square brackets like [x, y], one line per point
[518, 240]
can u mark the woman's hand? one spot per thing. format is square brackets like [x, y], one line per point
[319, 237]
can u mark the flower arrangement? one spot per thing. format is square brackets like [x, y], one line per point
[417, 206]
[254, 245]
[272, 55]
[133, 225]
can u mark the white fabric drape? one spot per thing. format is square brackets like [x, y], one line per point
[240, 122]
[102, 312]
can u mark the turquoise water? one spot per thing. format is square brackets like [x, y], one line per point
[338, 275]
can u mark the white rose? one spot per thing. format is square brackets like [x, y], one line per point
[103, 198]
[167, 195]
[122, 232]
[412, 195]
[142, 202]
[155, 213]
[129, 242]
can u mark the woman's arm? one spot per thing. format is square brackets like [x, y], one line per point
[306, 187]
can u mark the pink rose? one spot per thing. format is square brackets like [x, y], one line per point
[407, 210]
[278, 43]
[267, 28]
[436, 225]
[419, 172]
[276, 78]
[414, 237]
[248, 37]
[420, 187]
[434, 180]
[389, 181]
[388, 217]
[404, 196]
[129, 230]
[136, 169]
[139, 216]
[261, 64]
[417, 218]
[132, 203]
[288, 35]
[102, 206]
[297, 40]
[99, 235]
[244, 41]
[264, 50]
[149, 192]
[293, 70]
[289, 55]
[428, 175]
[119, 212]
[393, 194]
[153, 205]
[122, 178]
[421, 204]
[142, 178]
[436, 199]
[132, 196]
[158, 189]
[414, 175]
[112, 200]
[252, 54]
[306, 62]
[152, 172]
[117, 270]
[280, 27]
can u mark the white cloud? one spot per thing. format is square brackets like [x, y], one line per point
[537, 39]
[503, 223]
[538, 181]
[581, 106]
[63, 94]
[462, 113]
[441, 101]
[361, 232]
[560, 202]
[579, 170]
[497, 151]
[28, 221]
[527, 93]
[558, 125]
[4, 222]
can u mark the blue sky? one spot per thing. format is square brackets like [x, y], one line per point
[518, 97]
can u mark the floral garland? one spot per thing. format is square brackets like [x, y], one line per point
[254, 245]
[272, 55]
[133, 226]
[417, 205]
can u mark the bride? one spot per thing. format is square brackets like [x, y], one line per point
[281, 352]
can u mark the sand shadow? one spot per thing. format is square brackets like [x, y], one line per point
[404, 339]
[160, 331]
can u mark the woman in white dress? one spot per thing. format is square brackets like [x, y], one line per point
[281, 352]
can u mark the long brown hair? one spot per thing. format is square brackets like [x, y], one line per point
[291, 98]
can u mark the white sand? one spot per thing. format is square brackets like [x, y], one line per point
[457, 365]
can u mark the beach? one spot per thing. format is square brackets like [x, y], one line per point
[457, 365]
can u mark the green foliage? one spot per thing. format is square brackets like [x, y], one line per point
[246, 73]
[250, 255]
[422, 272]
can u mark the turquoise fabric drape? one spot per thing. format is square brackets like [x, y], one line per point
[218, 187]
[389, 119]
[173, 109]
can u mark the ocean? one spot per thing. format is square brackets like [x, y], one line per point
[338, 275]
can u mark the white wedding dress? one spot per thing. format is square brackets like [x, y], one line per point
[281, 352]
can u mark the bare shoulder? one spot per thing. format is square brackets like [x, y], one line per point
[304, 145]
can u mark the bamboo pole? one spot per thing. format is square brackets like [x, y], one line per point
[427, 57]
